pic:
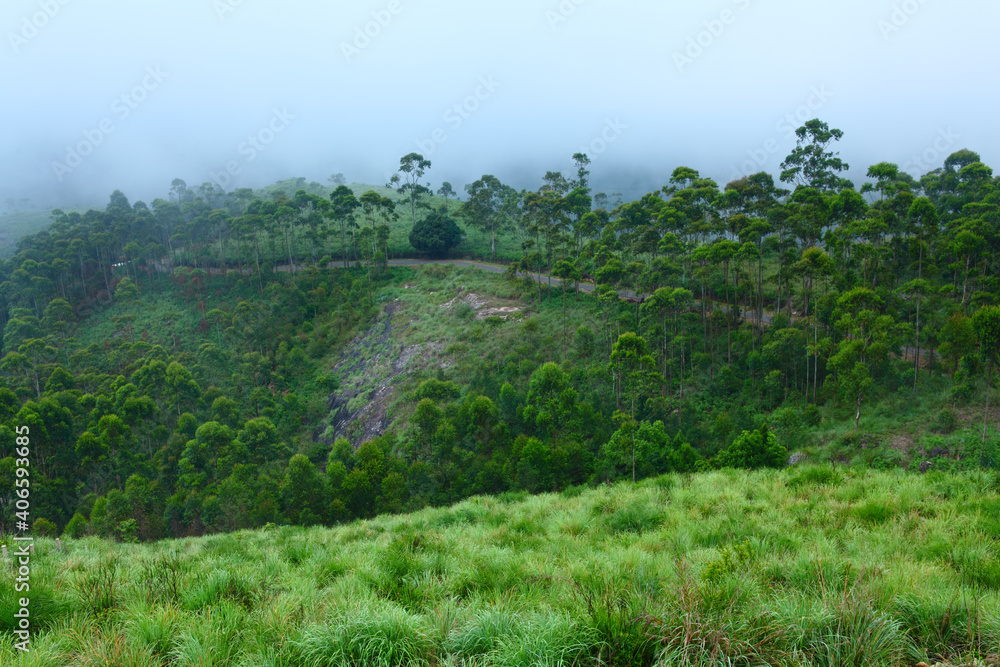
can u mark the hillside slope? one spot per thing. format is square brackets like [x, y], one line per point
[815, 566]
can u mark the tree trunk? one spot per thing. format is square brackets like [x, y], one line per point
[916, 356]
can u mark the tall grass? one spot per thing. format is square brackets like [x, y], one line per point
[811, 566]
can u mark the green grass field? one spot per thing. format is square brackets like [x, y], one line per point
[809, 566]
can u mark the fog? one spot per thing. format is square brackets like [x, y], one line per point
[131, 95]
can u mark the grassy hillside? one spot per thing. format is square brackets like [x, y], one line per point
[809, 566]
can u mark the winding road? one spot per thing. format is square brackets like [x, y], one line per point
[500, 268]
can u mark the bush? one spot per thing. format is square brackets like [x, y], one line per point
[961, 394]
[44, 528]
[76, 528]
[811, 416]
[436, 390]
[754, 449]
[945, 421]
[436, 234]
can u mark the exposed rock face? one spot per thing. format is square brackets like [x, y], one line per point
[484, 307]
[359, 409]
[796, 458]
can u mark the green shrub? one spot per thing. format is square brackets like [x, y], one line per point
[945, 421]
[436, 390]
[436, 234]
[737, 558]
[754, 449]
[76, 528]
[811, 416]
[961, 394]
[44, 528]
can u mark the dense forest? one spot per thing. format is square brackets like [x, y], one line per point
[173, 360]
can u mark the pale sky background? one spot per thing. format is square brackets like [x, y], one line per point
[903, 80]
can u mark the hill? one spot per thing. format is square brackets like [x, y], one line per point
[811, 566]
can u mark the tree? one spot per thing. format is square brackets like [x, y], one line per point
[412, 167]
[126, 292]
[916, 289]
[344, 204]
[987, 325]
[629, 364]
[810, 164]
[567, 273]
[484, 210]
[447, 191]
[436, 234]
[303, 492]
[814, 264]
[869, 340]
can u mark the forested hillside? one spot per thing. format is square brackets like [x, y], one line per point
[214, 361]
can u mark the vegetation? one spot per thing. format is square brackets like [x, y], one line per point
[436, 234]
[811, 566]
[215, 362]
[183, 369]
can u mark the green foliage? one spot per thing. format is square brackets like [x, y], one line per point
[731, 560]
[754, 449]
[44, 528]
[945, 421]
[436, 390]
[76, 527]
[435, 234]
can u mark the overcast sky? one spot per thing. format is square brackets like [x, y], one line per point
[130, 95]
